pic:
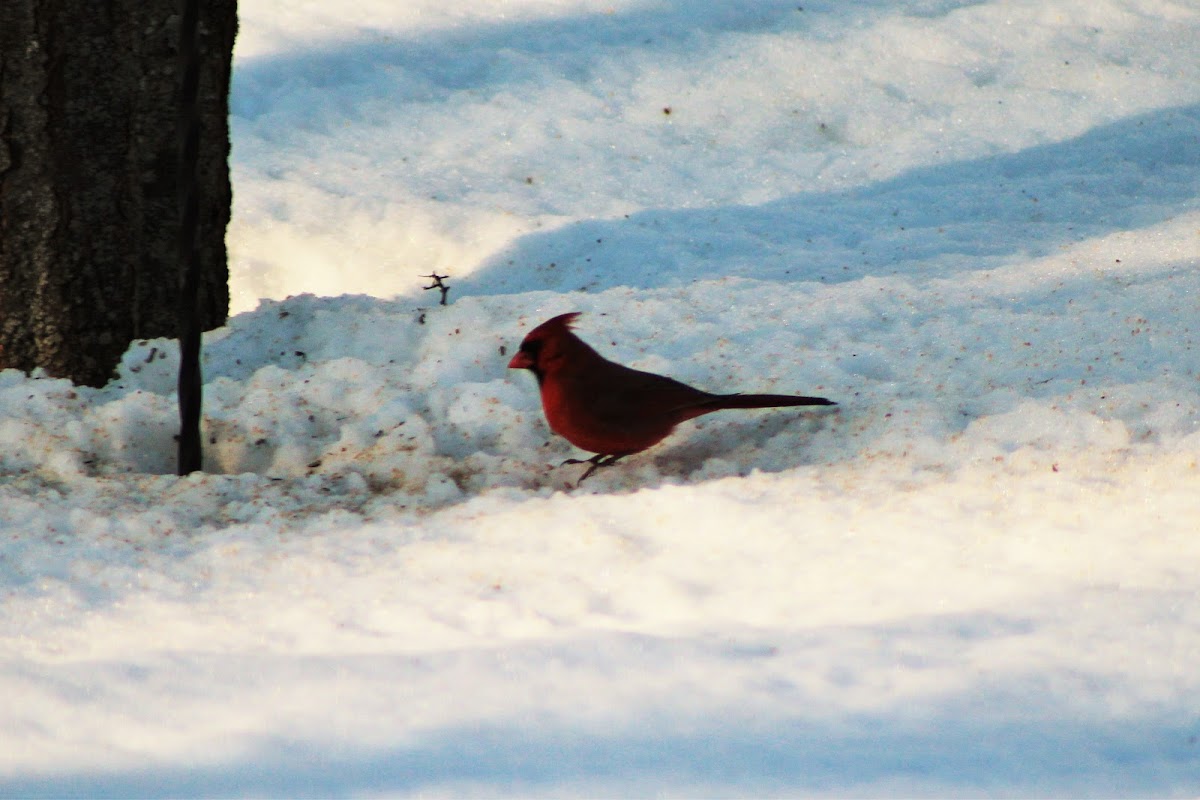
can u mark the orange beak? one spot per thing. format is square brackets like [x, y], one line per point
[521, 361]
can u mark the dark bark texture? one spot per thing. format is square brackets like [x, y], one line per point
[89, 176]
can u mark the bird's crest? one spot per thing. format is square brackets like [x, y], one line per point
[563, 322]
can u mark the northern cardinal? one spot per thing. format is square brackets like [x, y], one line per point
[612, 410]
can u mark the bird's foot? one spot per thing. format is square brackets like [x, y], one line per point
[597, 461]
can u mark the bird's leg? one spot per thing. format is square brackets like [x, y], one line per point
[593, 460]
[597, 461]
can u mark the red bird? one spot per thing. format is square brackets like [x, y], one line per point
[612, 410]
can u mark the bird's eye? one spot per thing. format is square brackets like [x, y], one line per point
[531, 349]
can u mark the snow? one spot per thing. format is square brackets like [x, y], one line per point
[973, 224]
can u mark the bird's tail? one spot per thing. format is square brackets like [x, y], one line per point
[764, 401]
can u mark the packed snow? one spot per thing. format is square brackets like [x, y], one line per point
[976, 225]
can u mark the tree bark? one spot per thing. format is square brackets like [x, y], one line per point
[89, 175]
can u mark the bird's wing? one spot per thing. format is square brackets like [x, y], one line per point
[626, 393]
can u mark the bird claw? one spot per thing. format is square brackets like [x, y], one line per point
[597, 461]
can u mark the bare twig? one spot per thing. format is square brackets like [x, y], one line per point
[437, 284]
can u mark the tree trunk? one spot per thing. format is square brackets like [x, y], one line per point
[89, 175]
